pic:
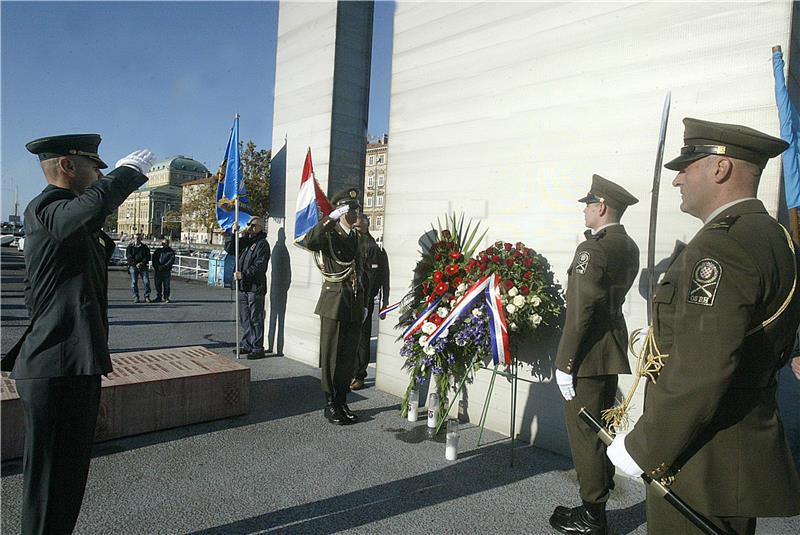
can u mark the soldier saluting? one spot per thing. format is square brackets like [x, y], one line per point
[341, 304]
[59, 360]
[593, 347]
[725, 314]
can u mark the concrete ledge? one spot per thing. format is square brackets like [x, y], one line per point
[149, 391]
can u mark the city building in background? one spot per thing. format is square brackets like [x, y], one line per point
[197, 223]
[375, 185]
[153, 210]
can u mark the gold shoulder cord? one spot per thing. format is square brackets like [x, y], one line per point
[651, 360]
[347, 268]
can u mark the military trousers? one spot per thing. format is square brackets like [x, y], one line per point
[364, 352]
[338, 342]
[595, 471]
[60, 418]
[663, 519]
[251, 321]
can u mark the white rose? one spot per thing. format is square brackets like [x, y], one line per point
[535, 300]
[536, 319]
[513, 291]
[428, 350]
[477, 312]
[513, 326]
[444, 333]
[428, 327]
[423, 340]
[511, 308]
[519, 300]
[442, 312]
[462, 287]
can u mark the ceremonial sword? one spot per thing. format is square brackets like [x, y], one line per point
[651, 236]
[702, 523]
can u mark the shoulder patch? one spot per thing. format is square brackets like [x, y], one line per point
[582, 262]
[706, 275]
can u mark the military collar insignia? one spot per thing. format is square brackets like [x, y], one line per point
[723, 224]
[590, 236]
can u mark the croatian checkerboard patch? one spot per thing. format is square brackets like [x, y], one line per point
[582, 262]
[705, 280]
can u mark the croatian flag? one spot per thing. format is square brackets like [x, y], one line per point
[312, 204]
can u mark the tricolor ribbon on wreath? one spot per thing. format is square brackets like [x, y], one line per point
[414, 327]
[488, 287]
[382, 313]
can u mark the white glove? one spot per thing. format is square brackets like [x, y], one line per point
[141, 160]
[618, 455]
[564, 382]
[339, 212]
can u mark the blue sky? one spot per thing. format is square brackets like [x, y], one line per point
[168, 76]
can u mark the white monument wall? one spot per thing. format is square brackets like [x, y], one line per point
[504, 111]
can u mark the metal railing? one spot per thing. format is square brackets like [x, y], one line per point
[190, 266]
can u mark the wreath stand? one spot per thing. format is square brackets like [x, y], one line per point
[513, 377]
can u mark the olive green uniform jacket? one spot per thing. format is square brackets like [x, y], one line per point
[711, 418]
[595, 337]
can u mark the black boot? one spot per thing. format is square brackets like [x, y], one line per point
[333, 412]
[351, 416]
[588, 519]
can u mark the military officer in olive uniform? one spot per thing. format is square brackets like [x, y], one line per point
[725, 316]
[341, 304]
[593, 347]
[59, 360]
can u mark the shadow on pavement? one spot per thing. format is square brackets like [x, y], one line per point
[486, 469]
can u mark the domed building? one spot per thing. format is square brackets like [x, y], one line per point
[154, 210]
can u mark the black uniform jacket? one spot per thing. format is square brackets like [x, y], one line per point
[595, 338]
[253, 260]
[344, 300]
[375, 267]
[711, 419]
[66, 258]
[137, 255]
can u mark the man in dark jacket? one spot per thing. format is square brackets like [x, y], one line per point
[375, 280]
[138, 256]
[58, 362]
[163, 259]
[593, 348]
[341, 304]
[251, 272]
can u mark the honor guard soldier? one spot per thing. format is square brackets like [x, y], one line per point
[725, 315]
[58, 362]
[341, 304]
[593, 347]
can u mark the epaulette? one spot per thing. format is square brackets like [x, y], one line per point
[724, 224]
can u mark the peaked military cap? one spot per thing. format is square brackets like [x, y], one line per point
[67, 145]
[614, 195]
[701, 138]
[347, 196]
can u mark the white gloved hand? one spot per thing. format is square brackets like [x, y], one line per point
[564, 382]
[618, 455]
[141, 160]
[339, 212]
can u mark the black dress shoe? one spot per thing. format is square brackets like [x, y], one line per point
[353, 417]
[588, 519]
[242, 351]
[335, 415]
[255, 355]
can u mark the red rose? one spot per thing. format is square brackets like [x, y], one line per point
[483, 258]
[517, 254]
[430, 298]
[457, 281]
[441, 288]
[437, 257]
[507, 246]
[436, 319]
[469, 267]
[452, 269]
[446, 234]
[527, 262]
[455, 255]
[529, 252]
[484, 267]
[527, 275]
[508, 284]
[438, 276]
[496, 259]
[524, 290]
[509, 262]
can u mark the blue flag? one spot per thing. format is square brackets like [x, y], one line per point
[230, 186]
[790, 132]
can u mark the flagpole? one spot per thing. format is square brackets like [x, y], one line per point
[236, 245]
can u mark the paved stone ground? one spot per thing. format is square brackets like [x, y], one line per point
[283, 469]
